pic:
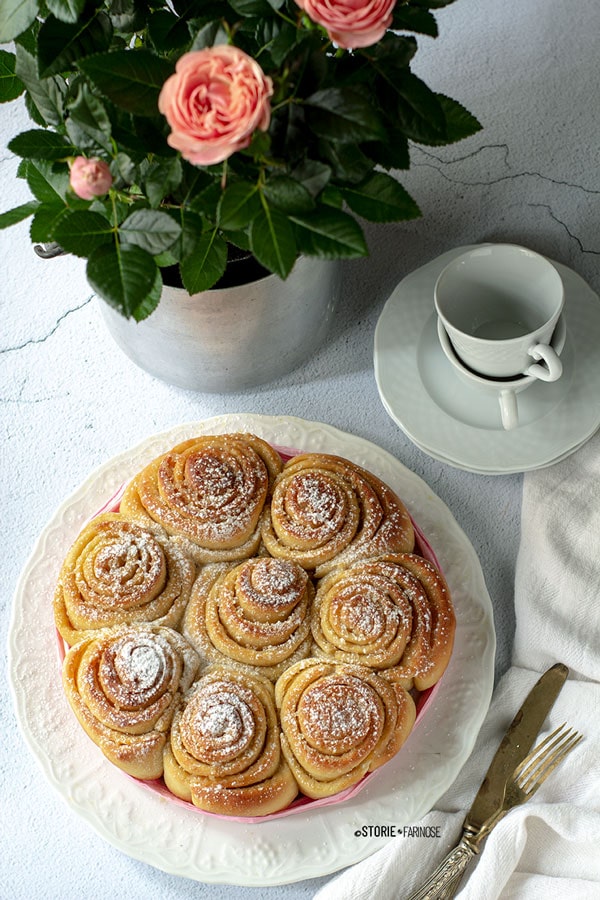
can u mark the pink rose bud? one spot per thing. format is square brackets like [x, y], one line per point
[90, 177]
[351, 23]
[214, 102]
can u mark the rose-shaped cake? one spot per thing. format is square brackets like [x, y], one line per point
[327, 512]
[211, 492]
[124, 685]
[120, 572]
[338, 723]
[256, 614]
[351, 23]
[214, 103]
[299, 613]
[225, 753]
[393, 613]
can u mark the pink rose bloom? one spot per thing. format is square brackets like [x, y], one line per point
[90, 177]
[214, 102]
[351, 23]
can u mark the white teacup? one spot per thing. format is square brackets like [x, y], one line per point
[505, 389]
[500, 304]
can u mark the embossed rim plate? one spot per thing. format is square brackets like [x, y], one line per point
[319, 842]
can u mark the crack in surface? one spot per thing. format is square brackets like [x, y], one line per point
[52, 331]
[441, 163]
[555, 218]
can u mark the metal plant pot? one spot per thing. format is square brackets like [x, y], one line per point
[229, 339]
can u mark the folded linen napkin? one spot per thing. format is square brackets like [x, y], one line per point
[551, 845]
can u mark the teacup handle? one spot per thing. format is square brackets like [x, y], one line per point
[508, 409]
[552, 370]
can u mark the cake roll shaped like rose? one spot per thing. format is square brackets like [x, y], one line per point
[224, 753]
[255, 614]
[339, 722]
[210, 492]
[394, 614]
[326, 511]
[124, 685]
[118, 572]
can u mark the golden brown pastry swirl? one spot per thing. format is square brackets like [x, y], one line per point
[256, 614]
[210, 492]
[338, 723]
[120, 572]
[393, 613]
[124, 685]
[225, 752]
[326, 511]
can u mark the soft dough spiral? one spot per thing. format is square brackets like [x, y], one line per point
[124, 685]
[393, 613]
[338, 723]
[119, 572]
[225, 753]
[210, 492]
[256, 614]
[326, 511]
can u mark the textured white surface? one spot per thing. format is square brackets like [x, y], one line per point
[70, 400]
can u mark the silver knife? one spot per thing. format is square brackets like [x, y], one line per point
[515, 745]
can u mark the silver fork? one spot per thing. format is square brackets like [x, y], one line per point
[528, 776]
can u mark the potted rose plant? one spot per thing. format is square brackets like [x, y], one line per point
[165, 131]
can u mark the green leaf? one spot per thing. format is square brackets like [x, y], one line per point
[168, 32]
[66, 10]
[46, 94]
[151, 230]
[44, 223]
[130, 78]
[15, 17]
[343, 114]
[88, 124]
[393, 154]
[61, 45]
[238, 205]
[13, 216]
[379, 198]
[330, 233]
[81, 232]
[420, 112]
[347, 161]
[162, 178]
[10, 86]
[415, 19]
[288, 195]
[150, 301]
[37, 144]
[313, 174]
[209, 35]
[252, 7]
[460, 123]
[203, 268]
[123, 276]
[431, 4]
[272, 241]
[46, 185]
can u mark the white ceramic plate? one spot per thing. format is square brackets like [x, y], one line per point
[459, 424]
[184, 841]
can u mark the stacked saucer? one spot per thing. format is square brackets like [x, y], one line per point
[458, 423]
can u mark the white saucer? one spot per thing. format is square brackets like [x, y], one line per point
[457, 423]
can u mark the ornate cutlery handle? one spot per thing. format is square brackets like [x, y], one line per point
[442, 884]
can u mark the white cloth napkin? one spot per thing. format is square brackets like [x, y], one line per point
[550, 847]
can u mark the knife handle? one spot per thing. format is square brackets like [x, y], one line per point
[443, 883]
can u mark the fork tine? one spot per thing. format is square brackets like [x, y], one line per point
[542, 761]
